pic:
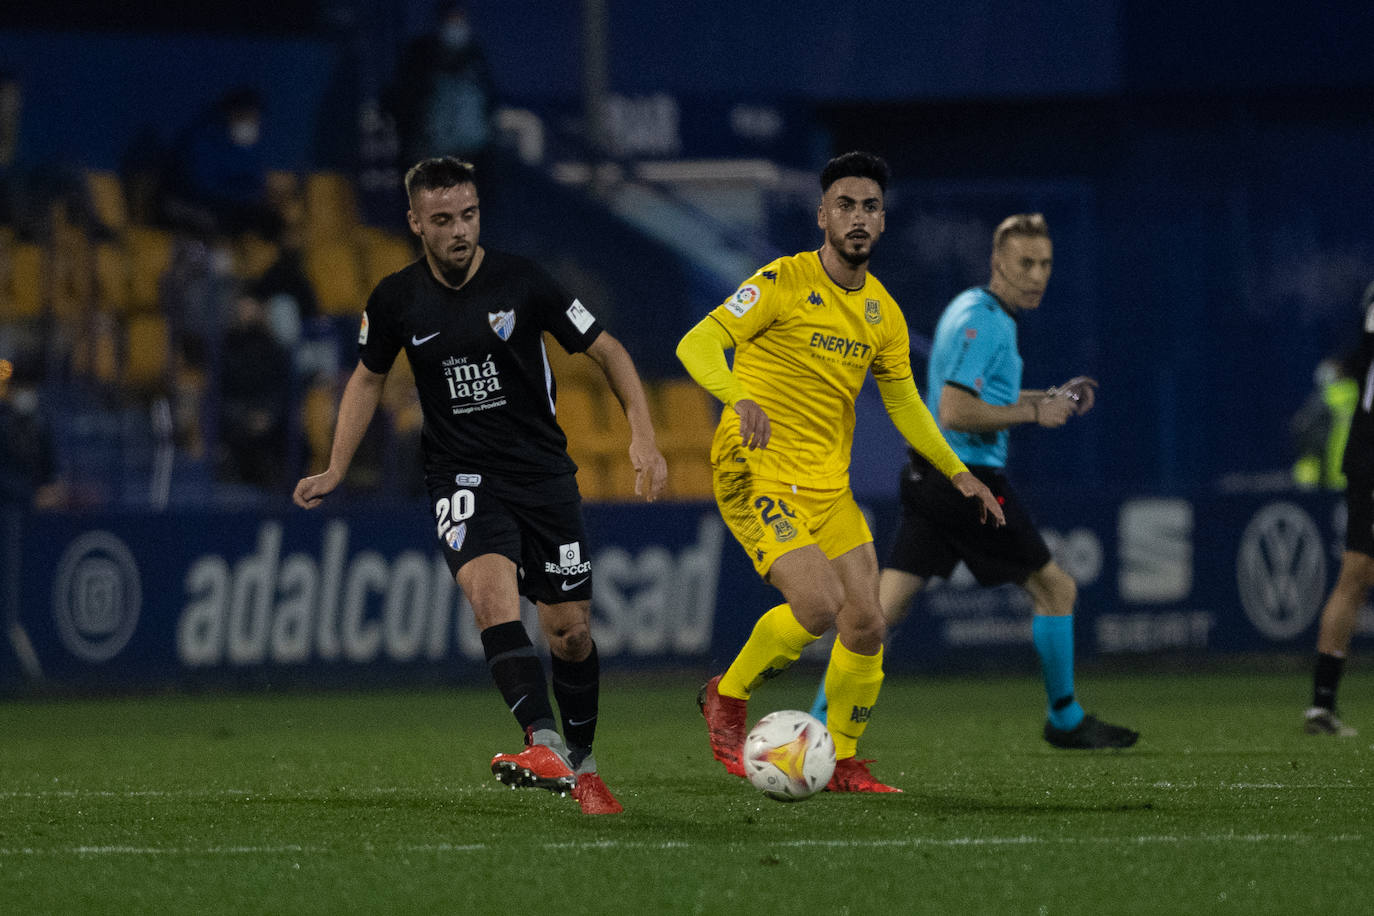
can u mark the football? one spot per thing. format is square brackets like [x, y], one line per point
[789, 755]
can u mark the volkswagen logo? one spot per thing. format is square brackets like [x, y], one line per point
[1281, 570]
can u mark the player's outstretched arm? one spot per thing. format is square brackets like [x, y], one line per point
[988, 507]
[913, 420]
[359, 402]
[651, 471]
[702, 353]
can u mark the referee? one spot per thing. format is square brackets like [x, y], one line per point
[974, 389]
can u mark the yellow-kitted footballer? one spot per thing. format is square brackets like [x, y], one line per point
[806, 329]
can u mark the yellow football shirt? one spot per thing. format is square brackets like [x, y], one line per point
[803, 345]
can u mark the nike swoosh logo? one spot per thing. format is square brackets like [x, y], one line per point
[569, 586]
[416, 341]
[576, 722]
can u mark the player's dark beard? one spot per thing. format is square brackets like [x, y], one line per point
[853, 258]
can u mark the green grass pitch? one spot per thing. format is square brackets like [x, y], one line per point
[382, 802]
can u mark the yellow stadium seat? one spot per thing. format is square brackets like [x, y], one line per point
[69, 268]
[106, 194]
[582, 416]
[685, 419]
[571, 368]
[253, 255]
[317, 412]
[150, 255]
[331, 207]
[112, 281]
[384, 253]
[333, 270]
[146, 353]
[23, 298]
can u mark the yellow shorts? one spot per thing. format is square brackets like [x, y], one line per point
[770, 518]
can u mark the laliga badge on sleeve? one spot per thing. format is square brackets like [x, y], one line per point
[579, 316]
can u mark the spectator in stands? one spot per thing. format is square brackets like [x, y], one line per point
[28, 464]
[218, 184]
[286, 292]
[1321, 425]
[443, 98]
[10, 107]
[255, 388]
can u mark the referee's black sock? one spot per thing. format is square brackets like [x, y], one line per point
[518, 674]
[577, 688]
[1325, 679]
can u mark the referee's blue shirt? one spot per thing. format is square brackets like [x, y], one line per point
[975, 349]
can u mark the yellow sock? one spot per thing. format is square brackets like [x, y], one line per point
[852, 682]
[777, 642]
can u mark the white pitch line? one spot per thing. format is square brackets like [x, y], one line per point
[466, 790]
[614, 845]
[226, 793]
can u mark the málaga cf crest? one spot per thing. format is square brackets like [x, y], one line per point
[503, 323]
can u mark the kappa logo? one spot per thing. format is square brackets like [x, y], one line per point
[815, 298]
[503, 323]
[873, 312]
[768, 274]
[1281, 570]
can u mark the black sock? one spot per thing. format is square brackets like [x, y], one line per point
[518, 674]
[577, 688]
[1326, 679]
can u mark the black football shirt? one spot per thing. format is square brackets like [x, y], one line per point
[1359, 448]
[486, 390]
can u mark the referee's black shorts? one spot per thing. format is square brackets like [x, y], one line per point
[1359, 513]
[940, 527]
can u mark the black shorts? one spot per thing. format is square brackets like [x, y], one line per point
[1359, 514]
[547, 542]
[940, 527]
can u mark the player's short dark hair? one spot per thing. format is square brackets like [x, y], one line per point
[1028, 225]
[439, 173]
[856, 165]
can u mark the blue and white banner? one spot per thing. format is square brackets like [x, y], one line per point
[177, 599]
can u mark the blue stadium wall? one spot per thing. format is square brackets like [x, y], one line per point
[186, 600]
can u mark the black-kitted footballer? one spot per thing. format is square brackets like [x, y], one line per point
[508, 515]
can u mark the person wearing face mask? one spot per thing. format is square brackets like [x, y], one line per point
[443, 99]
[28, 463]
[974, 388]
[220, 185]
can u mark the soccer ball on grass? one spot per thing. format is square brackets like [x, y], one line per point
[789, 755]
